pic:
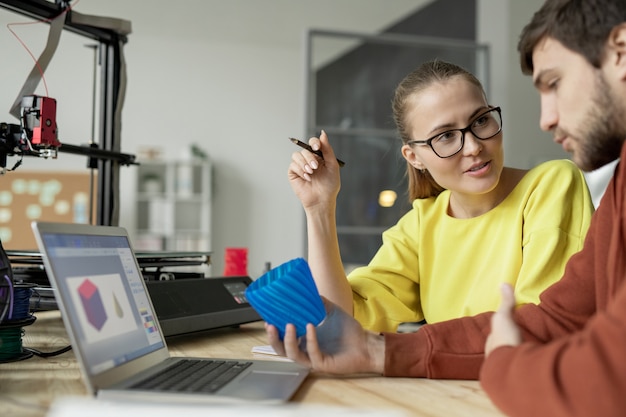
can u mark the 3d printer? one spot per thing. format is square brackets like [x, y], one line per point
[36, 134]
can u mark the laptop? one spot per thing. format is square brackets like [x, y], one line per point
[116, 337]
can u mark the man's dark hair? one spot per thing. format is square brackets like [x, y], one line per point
[582, 26]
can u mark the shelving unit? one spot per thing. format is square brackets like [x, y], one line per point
[174, 206]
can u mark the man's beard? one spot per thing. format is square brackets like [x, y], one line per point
[603, 128]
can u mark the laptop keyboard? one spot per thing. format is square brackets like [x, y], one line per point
[190, 375]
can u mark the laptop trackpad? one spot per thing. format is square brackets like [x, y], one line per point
[265, 385]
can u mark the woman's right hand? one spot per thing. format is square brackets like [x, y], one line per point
[314, 180]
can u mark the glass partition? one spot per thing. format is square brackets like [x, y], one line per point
[351, 79]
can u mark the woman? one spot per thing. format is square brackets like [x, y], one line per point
[474, 222]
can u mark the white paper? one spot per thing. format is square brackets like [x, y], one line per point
[84, 406]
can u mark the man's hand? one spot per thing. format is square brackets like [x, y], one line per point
[504, 331]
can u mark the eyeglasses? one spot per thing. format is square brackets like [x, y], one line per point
[485, 126]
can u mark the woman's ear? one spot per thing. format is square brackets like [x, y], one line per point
[411, 157]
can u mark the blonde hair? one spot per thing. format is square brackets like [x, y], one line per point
[421, 183]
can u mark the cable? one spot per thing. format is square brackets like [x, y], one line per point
[16, 310]
[37, 64]
[11, 330]
[6, 296]
[11, 344]
[48, 354]
[21, 296]
[11, 333]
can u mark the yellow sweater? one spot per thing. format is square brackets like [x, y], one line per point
[435, 267]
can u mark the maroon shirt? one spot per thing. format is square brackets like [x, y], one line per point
[582, 371]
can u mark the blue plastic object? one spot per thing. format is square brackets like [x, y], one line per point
[287, 294]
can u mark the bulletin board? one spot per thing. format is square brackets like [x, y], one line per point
[44, 196]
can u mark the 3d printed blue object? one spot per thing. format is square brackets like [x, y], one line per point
[287, 294]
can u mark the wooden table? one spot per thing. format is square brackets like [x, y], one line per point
[28, 387]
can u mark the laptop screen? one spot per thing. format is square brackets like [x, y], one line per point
[104, 297]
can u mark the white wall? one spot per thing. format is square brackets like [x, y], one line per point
[500, 23]
[227, 75]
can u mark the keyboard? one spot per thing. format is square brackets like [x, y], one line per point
[190, 375]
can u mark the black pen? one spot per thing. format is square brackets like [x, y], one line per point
[318, 152]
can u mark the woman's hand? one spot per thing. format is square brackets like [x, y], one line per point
[339, 345]
[314, 180]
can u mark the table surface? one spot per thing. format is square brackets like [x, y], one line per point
[28, 387]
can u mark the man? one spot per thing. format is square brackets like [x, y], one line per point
[576, 53]
[567, 355]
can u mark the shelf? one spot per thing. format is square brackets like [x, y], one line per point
[174, 206]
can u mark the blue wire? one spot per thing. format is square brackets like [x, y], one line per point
[21, 308]
[8, 305]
